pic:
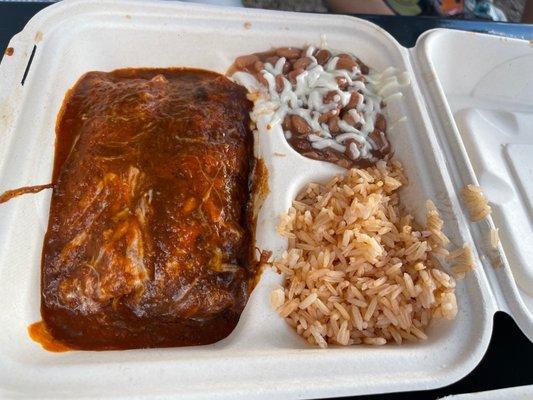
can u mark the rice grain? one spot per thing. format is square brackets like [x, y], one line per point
[358, 269]
[476, 202]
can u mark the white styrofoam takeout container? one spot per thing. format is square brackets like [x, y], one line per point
[263, 357]
[513, 393]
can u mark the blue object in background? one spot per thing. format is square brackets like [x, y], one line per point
[484, 9]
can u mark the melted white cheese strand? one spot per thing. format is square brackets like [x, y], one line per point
[306, 99]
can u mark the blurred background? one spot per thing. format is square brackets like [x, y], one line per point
[496, 10]
[489, 10]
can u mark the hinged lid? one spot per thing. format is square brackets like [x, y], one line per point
[482, 89]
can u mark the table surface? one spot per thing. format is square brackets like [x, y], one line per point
[507, 362]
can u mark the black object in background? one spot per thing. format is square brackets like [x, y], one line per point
[507, 362]
[13, 17]
[407, 29]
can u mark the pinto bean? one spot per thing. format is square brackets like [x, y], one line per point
[301, 144]
[293, 74]
[348, 152]
[300, 125]
[290, 53]
[331, 155]
[280, 84]
[333, 125]
[330, 97]
[322, 56]
[380, 141]
[359, 145]
[261, 78]
[355, 98]
[325, 117]
[315, 155]
[346, 62]
[342, 82]
[286, 124]
[302, 63]
[259, 66]
[377, 138]
[349, 118]
[381, 123]
[244, 62]
[344, 163]
[363, 67]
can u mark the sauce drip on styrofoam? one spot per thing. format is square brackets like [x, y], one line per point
[10, 194]
[40, 334]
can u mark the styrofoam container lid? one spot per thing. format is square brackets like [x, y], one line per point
[483, 86]
[515, 393]
[263, 357]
